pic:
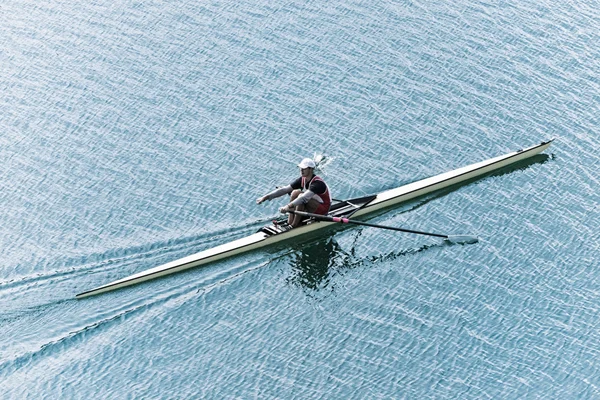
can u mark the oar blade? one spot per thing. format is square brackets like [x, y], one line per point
[462, 239]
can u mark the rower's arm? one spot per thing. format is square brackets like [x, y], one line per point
[277, 193]
[303, 198]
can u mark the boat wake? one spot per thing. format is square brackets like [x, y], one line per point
[55, 275]
[105, 323]
[40, 316]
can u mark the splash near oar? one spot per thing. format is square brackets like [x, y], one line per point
[467, 239]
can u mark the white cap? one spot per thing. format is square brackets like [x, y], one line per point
[307, 163]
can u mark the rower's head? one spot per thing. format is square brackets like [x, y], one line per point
[307, 166]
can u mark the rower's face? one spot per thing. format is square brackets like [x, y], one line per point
[305, 172]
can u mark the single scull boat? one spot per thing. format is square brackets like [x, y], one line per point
[355, 207]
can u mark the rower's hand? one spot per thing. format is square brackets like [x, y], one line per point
[284, 209]
[261, 199]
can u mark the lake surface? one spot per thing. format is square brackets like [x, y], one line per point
[135, 133]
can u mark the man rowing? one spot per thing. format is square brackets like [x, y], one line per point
[308, 193]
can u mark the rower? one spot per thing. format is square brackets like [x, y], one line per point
[308, 193]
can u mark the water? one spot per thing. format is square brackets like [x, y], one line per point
[137, 133]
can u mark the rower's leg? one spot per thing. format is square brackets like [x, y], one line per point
[310, 207]
[292, 217]
[296, 219]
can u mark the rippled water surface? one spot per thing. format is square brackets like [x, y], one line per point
[136, 133]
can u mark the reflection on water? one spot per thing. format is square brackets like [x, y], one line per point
[313, 263]
[396, 254]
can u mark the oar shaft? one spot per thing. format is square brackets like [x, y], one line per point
[392, 228]
[350, 221]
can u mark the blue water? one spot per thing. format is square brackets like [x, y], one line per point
[135, 133]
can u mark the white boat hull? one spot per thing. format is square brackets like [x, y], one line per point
[380, 201]
[447, 179]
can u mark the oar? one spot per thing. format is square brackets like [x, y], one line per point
[451, 238]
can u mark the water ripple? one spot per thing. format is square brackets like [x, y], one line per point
[136, 133]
